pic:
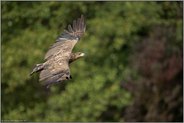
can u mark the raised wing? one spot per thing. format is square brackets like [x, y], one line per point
[67, 40]
[56, 67]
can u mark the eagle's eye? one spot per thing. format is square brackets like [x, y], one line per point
[67, 78]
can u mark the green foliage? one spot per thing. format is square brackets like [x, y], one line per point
[95, 93]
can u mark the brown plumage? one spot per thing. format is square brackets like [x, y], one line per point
[56, 66]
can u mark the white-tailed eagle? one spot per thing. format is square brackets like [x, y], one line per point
[56, 69]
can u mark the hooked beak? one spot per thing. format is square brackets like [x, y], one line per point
[82, 54]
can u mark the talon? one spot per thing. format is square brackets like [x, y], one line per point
[67, 78]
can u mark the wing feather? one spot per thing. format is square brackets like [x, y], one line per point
[70, 29]
[75, 25]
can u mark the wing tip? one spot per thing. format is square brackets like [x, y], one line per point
[79, 24]
[76, 29]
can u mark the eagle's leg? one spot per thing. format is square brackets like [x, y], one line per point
[68, 78]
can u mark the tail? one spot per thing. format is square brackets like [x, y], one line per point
[37, 68]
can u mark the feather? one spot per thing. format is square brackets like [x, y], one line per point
[70, 29]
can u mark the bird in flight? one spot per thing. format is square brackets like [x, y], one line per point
[56, 69]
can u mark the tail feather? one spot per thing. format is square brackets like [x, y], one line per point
[37, 68]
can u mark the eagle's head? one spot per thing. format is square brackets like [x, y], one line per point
[75, 56]
[79, 55]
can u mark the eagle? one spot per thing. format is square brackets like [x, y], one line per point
[56, 65]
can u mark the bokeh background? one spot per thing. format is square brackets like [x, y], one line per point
[132, 70]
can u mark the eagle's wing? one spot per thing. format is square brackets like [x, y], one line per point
[56, 67]
[67, 40]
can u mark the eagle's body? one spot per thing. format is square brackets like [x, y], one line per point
[56, 66]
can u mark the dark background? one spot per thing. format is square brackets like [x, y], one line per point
[132, 70]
